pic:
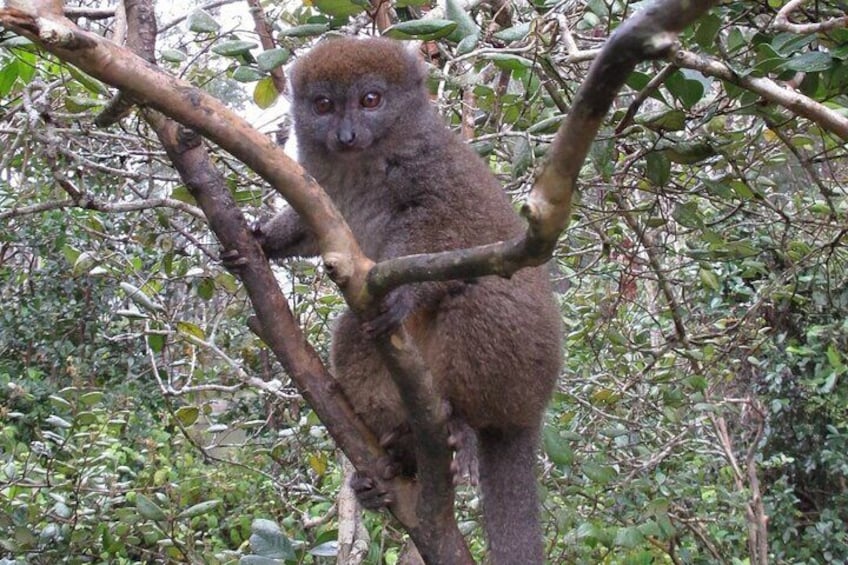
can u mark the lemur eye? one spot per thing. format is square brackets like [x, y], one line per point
[371, 100]
[322, 105]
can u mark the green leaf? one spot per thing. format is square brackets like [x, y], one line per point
[688, 153]
[339, 8]
[187, 415]
[629, 537]
[156, 342]
[424, 30]
[810, 62]
[590, 531]
[736, 40]
[85, 418]
[689, 92]
[657, 168]
[10, 471]
[305, 30]
[200, 508]
[547, 125]
[89, 83]
[840, 52]
[78, 104]
[191, 329]
[468, 44]
[200, 21]
[183, 194]
[234, 47]
[638, 81]
[598, 473]
[265, 93]
[829, 383]
[788, 43]
[510, 62]
[742, 190]
[148, 509]
[27, 60]
[834, 357]
[8, 76]
[17, 41]
[247, 74]
[206, 288]
[706, 31]
[483, 148]
[60, 403]
[522, 157]
[71, 254]
[140, 298]
[557, 447]
[709, 279]
[173, 55]
[465, 25]
[688, 215]
[267, 540]
[602, 156]
[326, 549]
[251, 197]
[768, 59]
[272, 58]
[84, 263]
[54, 420]
[514, 33]
[665, 120]
[91, 398]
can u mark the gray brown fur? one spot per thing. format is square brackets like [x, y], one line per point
[409, 185]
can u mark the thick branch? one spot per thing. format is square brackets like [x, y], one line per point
[278, 327]
[192, 107]
[649, 34]
[434, 534]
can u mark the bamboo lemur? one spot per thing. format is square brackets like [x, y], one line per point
[406, 184]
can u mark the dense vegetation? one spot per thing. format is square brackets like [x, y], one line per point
[702, 415]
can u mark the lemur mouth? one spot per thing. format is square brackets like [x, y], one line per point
[348, 149]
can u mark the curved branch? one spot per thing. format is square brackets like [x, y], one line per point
[430, 520]
[649, 34]
[782, 23]
[150, 86]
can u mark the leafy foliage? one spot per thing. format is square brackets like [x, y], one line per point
[703, 410]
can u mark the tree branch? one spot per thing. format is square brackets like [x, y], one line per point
[426, 513]
[782, 23]
[266, 39]
[649, 34]
[101, 206]
[768, 89]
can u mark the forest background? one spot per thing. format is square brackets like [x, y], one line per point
[702, 414]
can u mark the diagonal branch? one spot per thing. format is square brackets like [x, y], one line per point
[648, 34]
[426, 512]
[770, 90]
